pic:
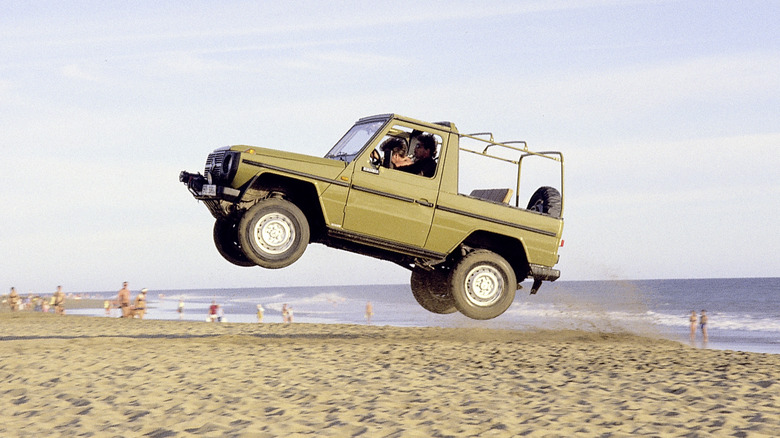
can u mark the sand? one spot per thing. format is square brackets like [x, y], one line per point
[89, 376]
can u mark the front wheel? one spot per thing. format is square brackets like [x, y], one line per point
[483, 285]
[431, 292]
[226, 241]
[273, 233]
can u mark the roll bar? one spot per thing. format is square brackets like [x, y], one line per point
[524, 152]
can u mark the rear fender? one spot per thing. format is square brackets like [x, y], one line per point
[509, 248]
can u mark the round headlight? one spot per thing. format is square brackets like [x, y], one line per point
[227, 164]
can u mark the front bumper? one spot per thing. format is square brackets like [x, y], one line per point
[200, 188]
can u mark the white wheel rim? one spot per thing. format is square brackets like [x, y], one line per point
[484, 285]
[274, 233]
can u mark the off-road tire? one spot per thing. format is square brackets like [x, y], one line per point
[273, 233]
[483, 285]
[546, 200]
[431, 292]
[226, 241]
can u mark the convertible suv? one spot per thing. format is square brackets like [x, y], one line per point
[466, 252]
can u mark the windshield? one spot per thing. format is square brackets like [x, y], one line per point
[353, 141]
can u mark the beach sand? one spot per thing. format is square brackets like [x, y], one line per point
[90, 376]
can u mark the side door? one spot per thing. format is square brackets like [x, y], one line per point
[391, 204]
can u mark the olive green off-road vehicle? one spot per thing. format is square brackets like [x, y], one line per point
[466, 252]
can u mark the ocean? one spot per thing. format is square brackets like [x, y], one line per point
[744, 313]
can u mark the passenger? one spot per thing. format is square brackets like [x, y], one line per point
[395, 150]
[424, 150]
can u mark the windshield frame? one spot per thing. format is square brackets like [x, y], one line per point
[360, 135]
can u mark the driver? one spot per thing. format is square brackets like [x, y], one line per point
[424, 146]
[395, 156]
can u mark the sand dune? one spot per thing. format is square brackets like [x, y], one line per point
[70, 376]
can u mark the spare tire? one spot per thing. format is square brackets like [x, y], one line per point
[546, 200]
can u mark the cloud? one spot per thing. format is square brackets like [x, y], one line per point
[650, 86]
[161, 25]
[705, 79]
[729, 165]
[74, 71]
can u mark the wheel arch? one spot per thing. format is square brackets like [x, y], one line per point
[510, 248]
[301, 193]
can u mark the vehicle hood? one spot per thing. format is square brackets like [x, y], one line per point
[283, 160]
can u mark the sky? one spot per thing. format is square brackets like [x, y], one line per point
[667, 113]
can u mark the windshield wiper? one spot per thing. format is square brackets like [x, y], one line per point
[340, 156]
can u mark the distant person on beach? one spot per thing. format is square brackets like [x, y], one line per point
[123, 298]
[692, 319]
[703, 324]
[213, 308]
[260, 312]
[13, 300]
[180, 309]
[285, 313]
[107, 307]
[369, 312]
[290, 314]
[140, 304]
[59, 301]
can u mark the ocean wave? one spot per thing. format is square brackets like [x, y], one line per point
[720, 320]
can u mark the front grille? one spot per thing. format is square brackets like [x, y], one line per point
[214, 165]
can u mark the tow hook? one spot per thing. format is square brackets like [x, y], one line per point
[537, 284]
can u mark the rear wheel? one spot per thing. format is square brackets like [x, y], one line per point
[273, 233]
[431, 292]
[226, 241]
[483, 285]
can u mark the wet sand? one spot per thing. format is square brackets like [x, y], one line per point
[87, 376]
